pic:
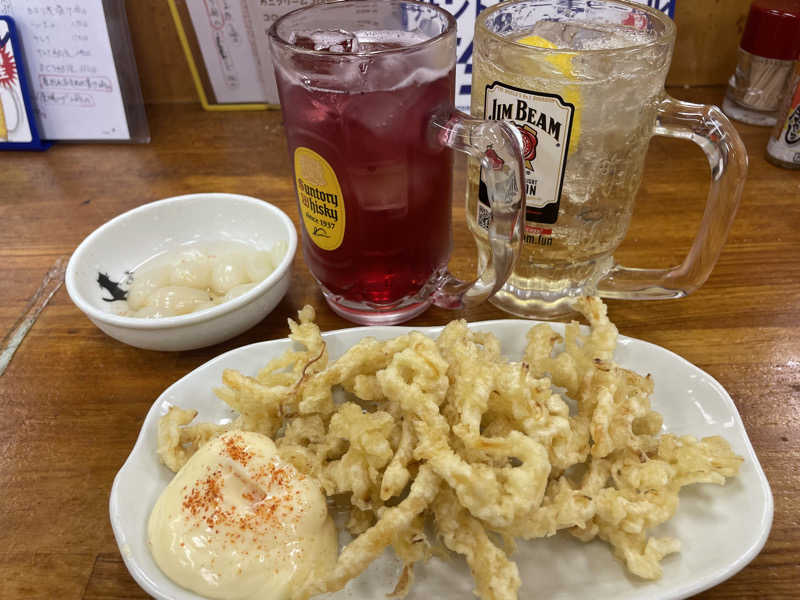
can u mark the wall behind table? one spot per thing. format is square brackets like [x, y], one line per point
[162, 65]
[705, 53]
[708, 35]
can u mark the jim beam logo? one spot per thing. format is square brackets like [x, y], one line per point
[545, 123]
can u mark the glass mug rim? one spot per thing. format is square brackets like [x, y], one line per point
[276, 37]
[667, 36]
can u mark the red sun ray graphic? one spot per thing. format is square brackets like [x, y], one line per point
[8, 68]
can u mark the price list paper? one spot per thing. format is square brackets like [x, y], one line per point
[264, 13]
[71, 68]
[221, 27]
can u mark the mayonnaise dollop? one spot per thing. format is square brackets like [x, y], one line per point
[238, 523]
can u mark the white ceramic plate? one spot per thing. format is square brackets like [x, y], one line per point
[721, 528]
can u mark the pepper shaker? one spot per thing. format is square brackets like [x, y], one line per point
[769, 46]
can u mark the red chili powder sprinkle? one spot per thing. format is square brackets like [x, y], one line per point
[204, 501]
[234, 447]
[205, 498]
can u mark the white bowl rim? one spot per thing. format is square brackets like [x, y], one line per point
[190, 318]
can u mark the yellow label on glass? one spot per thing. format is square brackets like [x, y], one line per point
[321, 202]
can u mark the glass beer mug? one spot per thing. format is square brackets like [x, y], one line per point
[367, 90]
[583, 81]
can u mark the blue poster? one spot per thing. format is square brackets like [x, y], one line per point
[18, 130]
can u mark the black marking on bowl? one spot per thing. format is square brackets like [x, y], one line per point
[112, 287]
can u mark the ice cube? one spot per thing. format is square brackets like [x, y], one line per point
[572, 36]
[326, 40]
[588, 36]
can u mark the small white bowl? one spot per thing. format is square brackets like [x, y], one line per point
[128, 240]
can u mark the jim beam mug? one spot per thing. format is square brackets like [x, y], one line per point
[583, 82]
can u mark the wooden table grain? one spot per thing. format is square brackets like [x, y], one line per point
[72, 399]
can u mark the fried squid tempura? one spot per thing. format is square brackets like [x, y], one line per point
[447, 431]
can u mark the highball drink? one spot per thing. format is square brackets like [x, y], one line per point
[370, 138]
[367, 89]
[583, 81]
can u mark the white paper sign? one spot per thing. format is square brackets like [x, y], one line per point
[263, 14]
[222, 31]
[70, 68]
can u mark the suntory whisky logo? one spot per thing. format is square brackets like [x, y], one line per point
[320, 197]
[318, 201]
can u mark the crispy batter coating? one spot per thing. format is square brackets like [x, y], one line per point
[496, 577]
[356, 556]
[416, 435]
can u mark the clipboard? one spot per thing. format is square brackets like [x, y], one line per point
[82, 78]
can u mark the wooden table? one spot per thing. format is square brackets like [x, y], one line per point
[72, 400]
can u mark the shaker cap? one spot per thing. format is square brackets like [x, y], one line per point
[773, 29]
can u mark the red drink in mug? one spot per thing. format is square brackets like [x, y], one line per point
[368, 111]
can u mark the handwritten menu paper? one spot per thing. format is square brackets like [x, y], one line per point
[71, 68]
[263, 14]
[223, 33]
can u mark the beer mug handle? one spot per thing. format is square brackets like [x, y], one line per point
[498, 148]
[710, 129]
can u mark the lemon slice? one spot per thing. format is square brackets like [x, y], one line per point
[563, 63]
